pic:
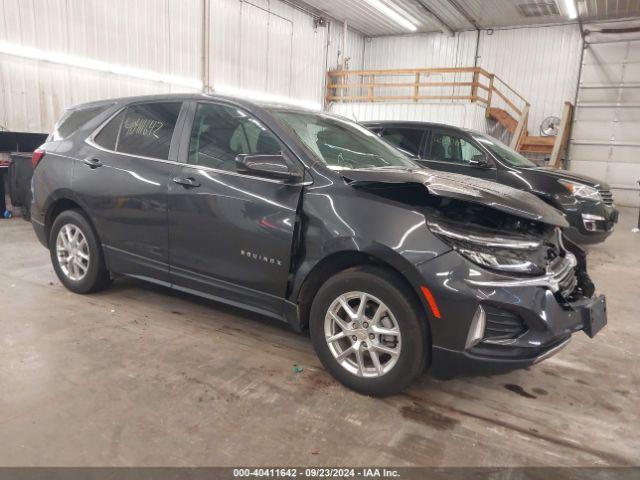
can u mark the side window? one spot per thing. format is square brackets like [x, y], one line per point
[220, 133]
[148, 128]
[74, 119]
[108, 136]
[407, 139]
[450, 148]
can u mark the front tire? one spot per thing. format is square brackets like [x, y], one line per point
[76, 253]
[366, 328]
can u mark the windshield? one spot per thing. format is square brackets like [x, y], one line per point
[341, 144]
[503, 152]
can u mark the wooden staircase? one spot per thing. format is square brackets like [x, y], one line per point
[504, 118]
[525, 143]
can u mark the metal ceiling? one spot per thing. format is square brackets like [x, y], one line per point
[457, 15]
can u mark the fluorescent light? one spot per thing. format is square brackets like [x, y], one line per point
[570, 7]
[96, 65]
[264, 96]
[392, 14]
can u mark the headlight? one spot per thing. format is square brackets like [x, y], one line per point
[581, 190]
[507, 253]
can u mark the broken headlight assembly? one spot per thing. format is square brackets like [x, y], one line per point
[491, 249]
[581, 190]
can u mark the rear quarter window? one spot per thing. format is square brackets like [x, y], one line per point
[72, 120]
[107, 137]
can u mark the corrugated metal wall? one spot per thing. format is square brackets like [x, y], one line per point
[263, 45]
[354, 48]
[420, 51]
[542, 63]
[145, 34]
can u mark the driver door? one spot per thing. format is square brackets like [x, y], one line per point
[230, 233]
[450, 152]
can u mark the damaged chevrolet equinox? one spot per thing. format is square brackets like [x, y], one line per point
[312, 219]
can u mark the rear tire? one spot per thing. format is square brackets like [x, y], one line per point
[76, 253]
[379, 346]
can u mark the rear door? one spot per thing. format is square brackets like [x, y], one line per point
[230, 234]
[122, 175]
[451, 152]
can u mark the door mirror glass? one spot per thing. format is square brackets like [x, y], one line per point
[270, 166]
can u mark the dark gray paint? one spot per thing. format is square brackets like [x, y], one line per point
[216, 234]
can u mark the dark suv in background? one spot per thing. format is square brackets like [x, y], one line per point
[587, 203]
[313, 220]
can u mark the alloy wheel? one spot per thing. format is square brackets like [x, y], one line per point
[72, 251]
[362, 334]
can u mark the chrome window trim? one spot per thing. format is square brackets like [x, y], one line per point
[90, 140]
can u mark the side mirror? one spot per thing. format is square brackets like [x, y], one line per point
[480, 161]
[270, 166]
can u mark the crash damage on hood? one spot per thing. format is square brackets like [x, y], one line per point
[463, 188]
[473, 210]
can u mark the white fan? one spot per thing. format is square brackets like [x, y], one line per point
[549, 126]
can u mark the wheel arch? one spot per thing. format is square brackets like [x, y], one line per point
[342, 260]
[61, 204]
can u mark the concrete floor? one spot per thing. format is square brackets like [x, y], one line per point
[141, 375]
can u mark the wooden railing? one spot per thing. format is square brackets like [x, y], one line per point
[472, 84]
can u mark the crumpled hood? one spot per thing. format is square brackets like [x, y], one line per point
[469, 189]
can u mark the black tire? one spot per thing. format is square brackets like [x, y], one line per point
[96, 277]
[389, 288]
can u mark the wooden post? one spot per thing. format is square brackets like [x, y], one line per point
[490, 93]
[561, 138]
[520, 129]
[474, 86]
[416, 88]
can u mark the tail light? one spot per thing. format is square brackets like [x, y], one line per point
[36, 157]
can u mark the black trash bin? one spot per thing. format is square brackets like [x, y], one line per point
[20, 172]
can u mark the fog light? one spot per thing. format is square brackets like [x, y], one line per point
[476, 330]
[590, 221]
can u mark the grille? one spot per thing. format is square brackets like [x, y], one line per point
[502, 324]
[607, 196]
[564, 275]
[568, 283]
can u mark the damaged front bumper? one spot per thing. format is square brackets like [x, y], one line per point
[525, 319]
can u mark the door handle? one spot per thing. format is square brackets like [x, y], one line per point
[93, 162]
[187, 182]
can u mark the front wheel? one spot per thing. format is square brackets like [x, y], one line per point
[76, 253]
[366, 328]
